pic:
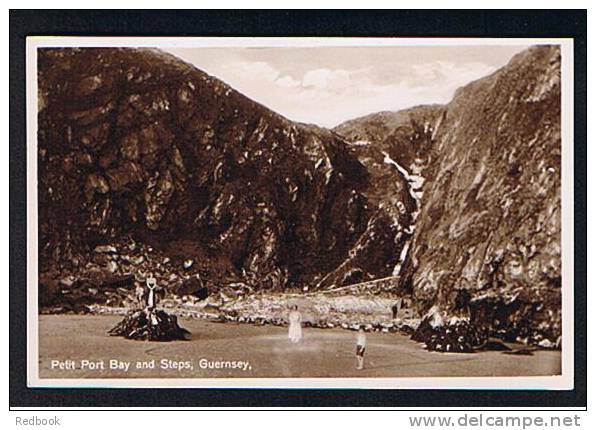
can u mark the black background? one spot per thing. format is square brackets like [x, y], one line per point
[404, 23]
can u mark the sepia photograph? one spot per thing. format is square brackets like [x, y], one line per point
[300, 212]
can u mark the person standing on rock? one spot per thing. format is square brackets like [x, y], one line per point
[139, 295]
[151, 284]
[295, 330]
[360, 348]
[148, 322]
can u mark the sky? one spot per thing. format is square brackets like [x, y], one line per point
[329, 85]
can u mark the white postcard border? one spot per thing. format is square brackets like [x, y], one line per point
[564, 381]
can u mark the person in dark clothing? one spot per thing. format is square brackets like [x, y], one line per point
[396, 308]
[360, 348]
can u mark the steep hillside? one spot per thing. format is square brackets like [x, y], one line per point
[376, 127]
[395, 148]
[169, 170]
[405, 135]
[147, 164]
[491, 216]
[486, 245]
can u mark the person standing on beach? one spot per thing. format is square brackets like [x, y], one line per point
[360, 348]
[295, 330]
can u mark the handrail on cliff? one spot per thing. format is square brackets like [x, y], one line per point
[346, 287]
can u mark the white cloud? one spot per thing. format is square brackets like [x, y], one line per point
[287, 82]
[316, 78]
[328, 96]
[447, 72]
[258, 70]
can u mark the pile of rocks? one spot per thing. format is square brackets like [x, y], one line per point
[513, 316]
[78, 295]
[457, 335]
[372, 313]
[149, 324]
[108, 278]
[529, 316]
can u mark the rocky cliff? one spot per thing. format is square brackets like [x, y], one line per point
[147, 164]
[490, 212]
[378, 140]
[168, 170]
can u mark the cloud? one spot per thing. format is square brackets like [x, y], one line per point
[445, 71]
[318, 78]
[328, 96]
[287, 82]
[257, 70]
[334, 81]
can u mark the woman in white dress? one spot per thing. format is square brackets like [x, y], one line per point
[295, 331]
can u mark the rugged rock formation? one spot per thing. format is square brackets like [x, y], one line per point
[377, 251]
[379, 140]
[149, 324]
[377, 127]
[169, 170]
[139, 150]
[489, 218]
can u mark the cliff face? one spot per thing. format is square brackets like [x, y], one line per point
[490, 207]
[395, 147]
[138, 147]
[181, 175]
[491, 216]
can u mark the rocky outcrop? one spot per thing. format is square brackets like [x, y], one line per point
[150, 324]
[491, 217]
[490, 209]
[378, 140]
[169, 171]
[380, 126]
[136, 146]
